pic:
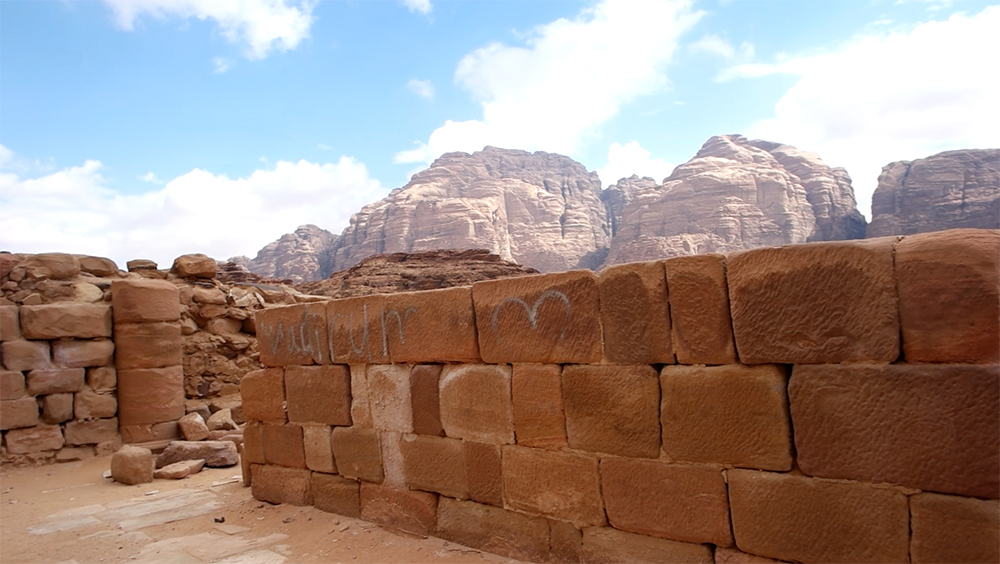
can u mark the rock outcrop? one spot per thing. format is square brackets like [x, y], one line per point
[411, 272]
[616, 196]
[306, 254]
[737, 194]
[944, 191]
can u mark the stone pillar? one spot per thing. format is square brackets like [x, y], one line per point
[148, 359]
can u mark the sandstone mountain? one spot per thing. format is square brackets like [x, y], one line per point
[944, 191]
[306, 254]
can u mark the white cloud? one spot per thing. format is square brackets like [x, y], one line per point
[630, 158]
[221, 64]
[5, 155]
[899, 95]
[715, 45]
[422, 88]
[569, 78]
[150, 177]
[422, 6]
[74, 210]
[261, 25]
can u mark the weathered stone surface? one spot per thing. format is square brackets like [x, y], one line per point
[409, 511]
[24, 355]
[292, 335]
[57, 266]
[216, 454]
[358, 453]
[179, 470]
[150, 395]
[424, 399]
[278, 484]
[55, 381]
[432, 326]
[558, 484]
[193, 427]
[949, 296]
[949, 190]
[263, 393]
[734, 556]
[932, 427]
[679, 502]
[493, 529]
[484, 471]
[253, 442]
[392, 459]
[553, 318]
[389, 396]
[317, 443]
[605, 544]
[18, 413]
[203, 295]
[148, 345]
[72, 454]
[361, 410]
[10, 327]
[194, 266]
[132, 465]
[80, 354]
[98, 266]
[612, 409]
[52, 321]
[635, 316]
[34, 439]
[360, 330]
[141, 300]
[283, 445]
[733, 415]
[435, 464]
[102, 378]
[221, 420]
[701, 326]
[565, 542]
[954, 529]
[12, 385]
[539, 420]
[57, 408]
[476, 403]
[306, 254]
[334, 494]
[91, 431]
[802, 519]
[819, 303]
[90, 404]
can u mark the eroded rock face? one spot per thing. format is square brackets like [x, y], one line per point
[948, 190]
[302, 256]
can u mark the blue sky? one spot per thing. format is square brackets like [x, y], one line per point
[152, 128]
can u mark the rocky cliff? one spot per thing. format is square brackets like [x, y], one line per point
[944, 191]
[306, 254]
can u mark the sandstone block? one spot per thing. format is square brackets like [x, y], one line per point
[802, 519]
[476, 403]
[18, 413]
[55, 381]
[634, 314]
[263, 393]
[12, 385]
[132, 465]
[24, 355]
[435, 464]
[224, 326]
[734, 556]
[392, 459]
[733, 415]
[102, 378]
[10, 327]
[253, 442]
[389, 397]
[283, 445]
[88, 404]
[604, 544]
[292, 335]
[361, 411]
[148, 345]
[221, 420]
[431, 326]
[612, 409]
[932, 427]
[52, 321]
[193, 427]
[98, 266]
[493, 529]
[216, 454]
[91, 432]
[150, 395]
[949, 296]
[701, 326]
[552, 318]
[539, 420]
[412, 512]
[484, 471]
[954, 529]
[558, 484]
[278, 484]
[424, 399]
[360, 331]
[679, 502]
[57, 266]
[179, 470]
[815, 303]
[202, 295]
[334, 494]
[194, 265]
[57, 408]
[145, 301]
[358, 453]
[565, 542]
[81, 354]
[34, 439]
[72, 454]
[316, 442]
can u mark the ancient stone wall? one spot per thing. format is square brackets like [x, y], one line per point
[834, 402]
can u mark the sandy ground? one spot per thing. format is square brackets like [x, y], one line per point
[69, 513]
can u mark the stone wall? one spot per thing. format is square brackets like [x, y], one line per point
[834, 402]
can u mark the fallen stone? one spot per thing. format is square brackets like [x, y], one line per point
[221, 420]
[98, 266]
[179, 470]
[132, 465]
[193, 427]
[194, 266]
[216, 454]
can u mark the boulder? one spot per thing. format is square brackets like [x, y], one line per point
[98, 266]
[179, 470]
[194, 266]
[221, 420]
[193, 427]
[132, 465]
[216, 454]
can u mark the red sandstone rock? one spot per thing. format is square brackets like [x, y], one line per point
[558, 484]
[293, 335]
[435, 464]
[278, 484]
[361, 410]
[91, 432]
[150, 395]
[253, 442]
[612, 409]
[11, 385]
[132, 465]
[605, 544]
[102, 378]
[318, 394]
[179, 470]
[56, 266]
[734, 556]
[193, 427]
[89, 404]
[334, 494]
[359, 328]
[389, 397]
[536, 391]
[52, 321]
[432, 326]
[358, 453]
[79, 354]
[263, 393]
[24, 355]
[54, 381]
[194, 265]
[634, 314]
[484, 471]
[424, 399]
[493, 529]
[954, 529]
[10, 327]
[144, 301]
[283, 445]
[57, 408]
[412, 512]
[317, 443]
[702, 329]
[216, 454]
[34, 439]
[476, 403]
[98, 266]
[148, 345]
[18, 413]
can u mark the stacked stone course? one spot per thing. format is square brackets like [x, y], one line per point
[834, 402]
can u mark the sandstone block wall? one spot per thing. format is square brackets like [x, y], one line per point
[781, 404]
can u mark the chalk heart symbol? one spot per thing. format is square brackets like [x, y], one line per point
[532, 311]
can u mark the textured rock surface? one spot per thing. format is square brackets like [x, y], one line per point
[944, 191]
[301, 256]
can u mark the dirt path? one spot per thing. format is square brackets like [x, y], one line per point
[69, 513]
